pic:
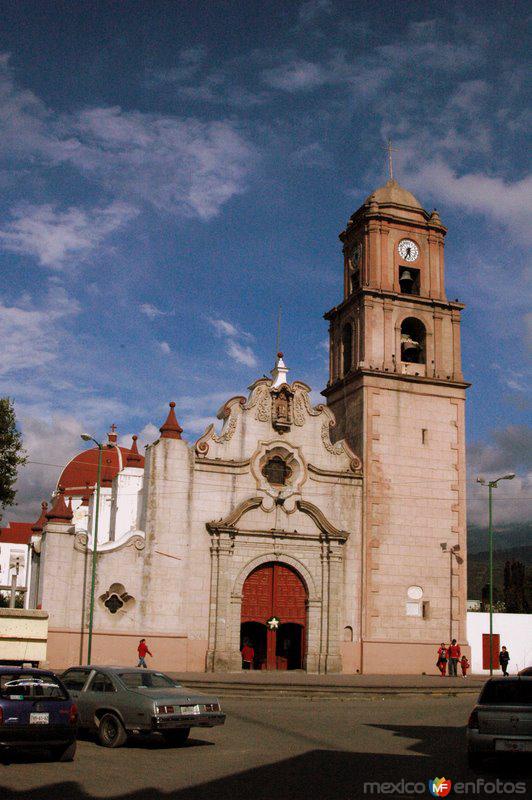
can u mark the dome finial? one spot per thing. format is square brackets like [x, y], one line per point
[171, 429]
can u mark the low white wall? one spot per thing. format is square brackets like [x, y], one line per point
[515, 631]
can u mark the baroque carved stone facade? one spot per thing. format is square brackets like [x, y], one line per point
[313, 532]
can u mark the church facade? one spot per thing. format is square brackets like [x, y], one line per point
[330, 538]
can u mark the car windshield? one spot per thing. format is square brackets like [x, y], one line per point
[21, 686]
[507, 692]
[146, 680]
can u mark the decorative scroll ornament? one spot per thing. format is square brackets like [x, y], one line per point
[229, 413]
[299, 409]
[336, 449]
[132, 539]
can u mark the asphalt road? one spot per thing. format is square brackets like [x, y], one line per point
[273, 748]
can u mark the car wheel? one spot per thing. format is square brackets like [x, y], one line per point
[111, 732]
[64, 753]
[176, 737]
[475, 760]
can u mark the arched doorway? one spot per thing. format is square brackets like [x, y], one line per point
[275, 591]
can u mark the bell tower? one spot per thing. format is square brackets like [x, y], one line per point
[398, 394]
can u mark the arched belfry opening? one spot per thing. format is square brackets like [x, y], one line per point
[347, 348]
[413, 338]
[274, 617]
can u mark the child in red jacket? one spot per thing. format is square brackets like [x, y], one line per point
[464, 663]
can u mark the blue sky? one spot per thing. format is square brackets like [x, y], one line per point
[171, 172]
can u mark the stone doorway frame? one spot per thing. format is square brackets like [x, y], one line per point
[313, 602]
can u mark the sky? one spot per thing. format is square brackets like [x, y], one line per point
[172, 172]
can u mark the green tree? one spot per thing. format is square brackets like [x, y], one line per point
[12, 455]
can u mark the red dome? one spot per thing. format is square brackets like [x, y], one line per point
[80, 474]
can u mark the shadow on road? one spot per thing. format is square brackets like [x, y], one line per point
[322, 774]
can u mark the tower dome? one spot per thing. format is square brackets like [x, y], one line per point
[393, 194]
[79, 476]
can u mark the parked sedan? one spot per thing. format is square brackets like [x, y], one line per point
[36, 711]
[117, 701]
[501, 722]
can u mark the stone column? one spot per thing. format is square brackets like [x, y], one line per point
[312, 652]
[324, 611]
[221, 658]
[457, 357]
[334, 659]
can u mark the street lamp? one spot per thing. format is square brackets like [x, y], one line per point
[87, 438]
[492, 485]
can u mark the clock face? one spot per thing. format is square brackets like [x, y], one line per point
[408, 250]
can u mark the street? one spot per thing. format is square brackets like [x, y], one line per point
[285, 748]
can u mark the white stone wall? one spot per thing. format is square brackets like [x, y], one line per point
[515, 631]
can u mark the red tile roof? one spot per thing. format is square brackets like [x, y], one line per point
[16, 533]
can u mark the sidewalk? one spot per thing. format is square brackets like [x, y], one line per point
[297, 682]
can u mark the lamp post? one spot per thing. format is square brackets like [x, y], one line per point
[87, 438]
[492, 485]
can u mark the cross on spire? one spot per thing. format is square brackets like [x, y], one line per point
[390, 151]
[113, 428]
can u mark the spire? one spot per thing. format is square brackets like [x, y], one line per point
[133, 457]
[171, 429]
[59, 512]
[279, 372]
[41, 522]
[86, 496]
[112, 436]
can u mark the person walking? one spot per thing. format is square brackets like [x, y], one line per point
[464, 664]
[142, 649]
[248, 654]
[504, 657]
[454, 654]
[441, 663]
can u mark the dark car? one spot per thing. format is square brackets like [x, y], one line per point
[114, 702]
[501, 721]
[526, 672]
[37, 711]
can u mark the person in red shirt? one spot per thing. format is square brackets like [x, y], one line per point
[248, 654]
[442, 659]
[142, 649]
[464, 663]
[454, 654]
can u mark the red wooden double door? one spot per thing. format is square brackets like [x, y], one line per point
[275, 590]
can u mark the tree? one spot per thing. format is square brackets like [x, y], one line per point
[12, 455]
[514, 588]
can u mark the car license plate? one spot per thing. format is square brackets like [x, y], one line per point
[190, 709]
[39, 719]
[512, 746]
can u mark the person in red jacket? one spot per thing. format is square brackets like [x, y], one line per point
[248, 654]
[142, 649]
[454, 654]
[464, 663]
[441, 663]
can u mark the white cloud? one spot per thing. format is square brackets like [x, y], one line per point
[151, 311]
[506, 202]
[53, 236]
[50, 443]
[165, 347]
[174, 164]
[30, 334]
[241, 353]
[310, 10]
[296, 75]
[508, 451]
[224, 328]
